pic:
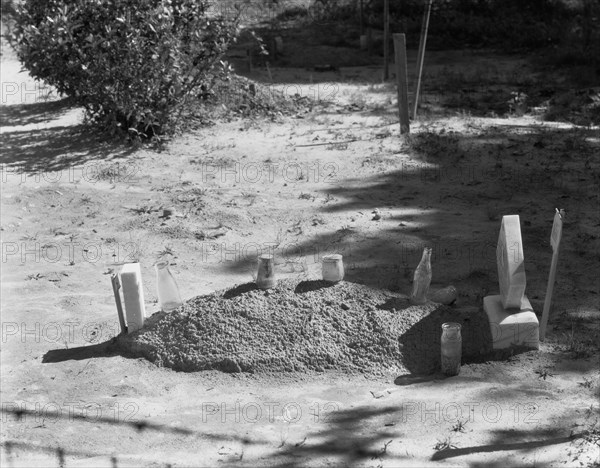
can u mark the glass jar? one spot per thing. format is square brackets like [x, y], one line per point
[265, 277]
[451, 345]
[333, 268]
[168, 292]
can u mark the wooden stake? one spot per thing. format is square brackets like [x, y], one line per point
[362, 27]
[400, 50]
[555, 242]
[249, 57]
[386, 40]
[421, 56]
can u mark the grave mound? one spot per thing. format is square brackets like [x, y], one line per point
[304, 326]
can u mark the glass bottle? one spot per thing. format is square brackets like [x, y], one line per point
[422, 278]
[265, 278]
[333, 268]
[168, 292]
[451, 348]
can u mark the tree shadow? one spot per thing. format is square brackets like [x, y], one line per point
[347, 438]
[442, 176]
[34, 113]
[58, 149]
[513, 440]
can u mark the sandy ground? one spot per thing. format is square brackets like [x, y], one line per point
[73, 205]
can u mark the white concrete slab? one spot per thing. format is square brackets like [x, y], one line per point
[513, 327]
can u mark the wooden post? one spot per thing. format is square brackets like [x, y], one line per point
[421, 56]
[555, 242]
[400, 50]
[362, 27]
[249, 58]
[386, 40]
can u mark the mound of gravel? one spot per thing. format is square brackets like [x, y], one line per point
[306, 326]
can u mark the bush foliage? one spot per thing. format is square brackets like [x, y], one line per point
[133, 65]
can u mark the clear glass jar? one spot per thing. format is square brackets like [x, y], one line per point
[168, 292]
[422, 278]
[451, 345]
[265, 277]
[333, 268]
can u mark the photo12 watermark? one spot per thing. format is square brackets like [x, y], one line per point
[27, 92]
[53, 412]
[69, 252]
[67, 332]
[262, 173]
[264, 411]
[91, 172]
[469, 412]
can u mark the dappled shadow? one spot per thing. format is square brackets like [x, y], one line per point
[347, 439]
[485, 174]
[18, 448]
[33, 113]
[57, 148]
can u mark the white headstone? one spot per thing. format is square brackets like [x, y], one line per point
[511, 263]
[133, 296]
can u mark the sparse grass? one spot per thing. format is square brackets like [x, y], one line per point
[357, 99]
[30, 237]
[445, 444]
[110, 172]
[543, 373]
[578, 347]
[36, 277]
[382, 451]
[176, 231]
[587, 383]
[459, 426]
[167, 251]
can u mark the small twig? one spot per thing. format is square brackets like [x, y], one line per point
[84, 367]
[328, 143]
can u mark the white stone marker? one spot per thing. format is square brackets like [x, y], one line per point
[133, 296]
[511, 262]
[512, 319]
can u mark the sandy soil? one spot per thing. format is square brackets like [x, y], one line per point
[73, 205]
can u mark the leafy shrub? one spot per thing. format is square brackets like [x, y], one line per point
[134, 65]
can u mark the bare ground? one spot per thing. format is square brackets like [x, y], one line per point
[74, 204]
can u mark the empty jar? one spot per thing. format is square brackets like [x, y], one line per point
[265, 278]
[451, 348]
[333, 268]
[168, 292]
